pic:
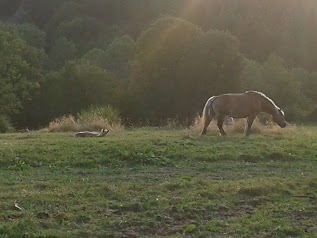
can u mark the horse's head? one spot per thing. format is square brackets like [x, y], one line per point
[279, 118]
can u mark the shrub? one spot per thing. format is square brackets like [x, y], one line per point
[5, 124]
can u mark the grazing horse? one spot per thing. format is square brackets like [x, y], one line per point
[240, 105]
[102, 133]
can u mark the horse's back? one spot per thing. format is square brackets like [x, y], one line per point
[237, 105]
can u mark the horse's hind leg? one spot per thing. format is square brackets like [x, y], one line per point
[206, 122]
[219, 124]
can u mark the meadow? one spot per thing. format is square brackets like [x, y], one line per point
[158, 182]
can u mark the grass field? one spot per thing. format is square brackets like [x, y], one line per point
[159, 183]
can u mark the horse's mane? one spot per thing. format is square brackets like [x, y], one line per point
[264, 96]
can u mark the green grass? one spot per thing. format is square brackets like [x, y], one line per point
[159, 183]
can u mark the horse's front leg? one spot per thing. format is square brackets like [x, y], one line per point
[219, 124]
[248, 125]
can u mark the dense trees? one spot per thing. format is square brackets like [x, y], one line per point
[153, 59]
[77, 86]
[20, 73]
[281, 83]
[178, 66]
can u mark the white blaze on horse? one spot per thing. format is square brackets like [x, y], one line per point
[240, 105]
[102, 133]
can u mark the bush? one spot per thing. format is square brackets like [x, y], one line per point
[5, 124]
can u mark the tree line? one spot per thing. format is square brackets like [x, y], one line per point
[153, 60]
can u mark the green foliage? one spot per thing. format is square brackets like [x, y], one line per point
[62, 51]
[116, 58]
[76, 86]
[5, 124]
[119, 55]
[160, 53]
[172, 57]
[217, 63]
[83, 31]
[96, 57]
[169, 65]
[20, 73]
[31, 34]
[282, 84]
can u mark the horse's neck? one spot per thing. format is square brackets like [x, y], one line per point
[268, 107]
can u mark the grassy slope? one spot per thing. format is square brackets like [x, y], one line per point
[155, 183]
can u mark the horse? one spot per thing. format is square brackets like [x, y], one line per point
[240, 105]
[102, 133]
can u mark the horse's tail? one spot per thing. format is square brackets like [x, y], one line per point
[208, 111]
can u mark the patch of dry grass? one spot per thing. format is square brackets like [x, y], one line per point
[64, 124]
[70, 124]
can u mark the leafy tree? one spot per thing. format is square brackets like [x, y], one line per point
[83, 31]
[116, 58]
[75, 87]
[160, 50]
[31, 34]
[62, 51]
[178, 67]
[280, 83]
[219, 62]
[119, 54]
[96, 57]
[20, 73]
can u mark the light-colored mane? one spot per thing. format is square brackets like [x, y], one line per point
[264, 96]
[267, 99]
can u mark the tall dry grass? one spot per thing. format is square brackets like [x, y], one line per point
[70, 124]
[238, 127]
[64, 124]
[93, 118]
